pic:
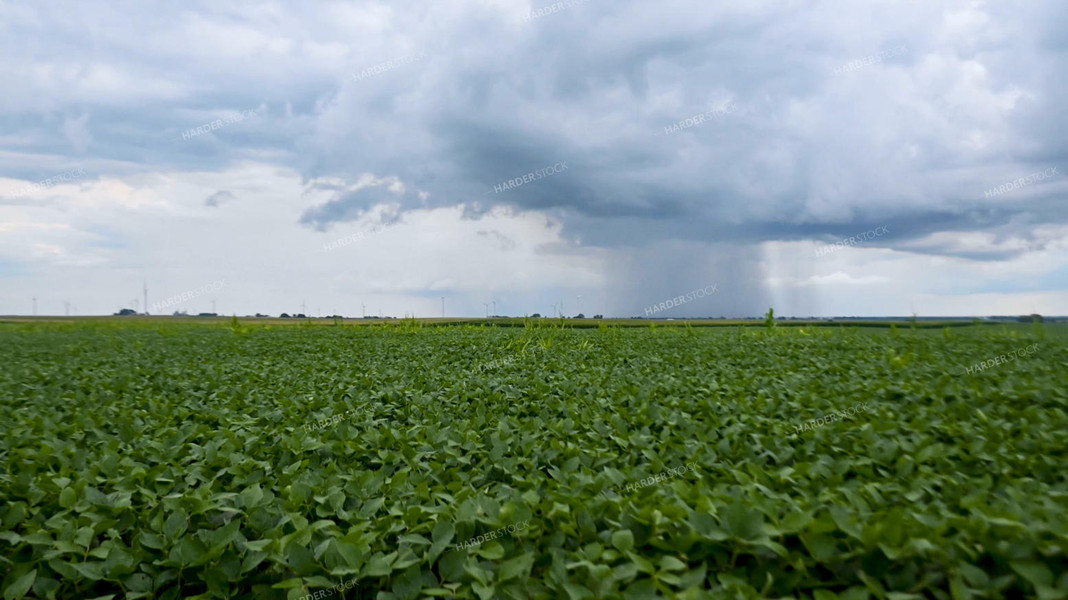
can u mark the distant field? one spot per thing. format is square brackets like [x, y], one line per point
[154, 458]
[512, 321]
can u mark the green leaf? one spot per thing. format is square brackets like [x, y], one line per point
[1034, 572]
[93, 571]
[293, 583]
[670, 563]
[484, 591]
[18, 589]
[576, 591]
[176, 524]
[371, 507]
[67, 497]
[641, 590]
[623, 540]
[743, 522]
[845, 522]
[378, 566]
[408, 584]
[251, 496]
[350, 553]
[442, 535]
[189, 552]
[139, 582]
[492, 550]
[516, 567]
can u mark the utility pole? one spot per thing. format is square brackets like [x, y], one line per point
[303, 310]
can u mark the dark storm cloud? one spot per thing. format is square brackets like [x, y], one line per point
[595, 87]
[346, 205]
[218, 198]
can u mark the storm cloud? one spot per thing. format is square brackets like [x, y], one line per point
[704, 143]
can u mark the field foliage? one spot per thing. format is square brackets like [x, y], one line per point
[243, 461]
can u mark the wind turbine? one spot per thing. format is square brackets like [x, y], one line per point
[486, 304]
[494, 308]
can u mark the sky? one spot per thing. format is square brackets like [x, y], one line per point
[870, 158]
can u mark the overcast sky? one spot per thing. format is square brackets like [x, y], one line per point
[361, 154]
